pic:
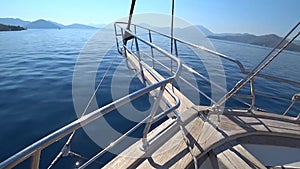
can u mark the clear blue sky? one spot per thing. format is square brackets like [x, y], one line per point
[251, 16]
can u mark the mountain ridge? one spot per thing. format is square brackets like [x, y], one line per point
[268, 40]
[79, 26]
[42, 24]
[13, 22]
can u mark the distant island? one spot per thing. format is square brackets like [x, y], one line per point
[10, 28]
[270, 40]
[42, 24]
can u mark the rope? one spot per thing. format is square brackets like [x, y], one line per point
[276, 47]
[260, 66]
[72, 154]
[187, 141]
[67, 144]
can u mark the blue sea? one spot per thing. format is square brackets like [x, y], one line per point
[36, 73]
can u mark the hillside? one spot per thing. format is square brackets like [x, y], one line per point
[13, 22]
[42, 24]
[270, 40]
[265, 40]
[10, 28]
[204, 30]
[73, 26]
[79, 26]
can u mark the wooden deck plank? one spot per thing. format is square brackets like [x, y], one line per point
[185, 102]
[159, 145]
[168, 148]
[230, 160]
[167, 154]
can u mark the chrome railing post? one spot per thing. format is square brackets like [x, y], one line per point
[140, 59]
[36, 159]
[252, 89]
[34, 151]
[145, 144]
[293, 101]
[176, 54]
[172, 54]
[175, 46]
[117, 40]
[122, 34]
[288, 109]
[152, 55]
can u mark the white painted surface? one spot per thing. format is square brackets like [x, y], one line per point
[275, 155]
[206, 164]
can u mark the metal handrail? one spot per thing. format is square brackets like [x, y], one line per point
[257, 70]
[153, 116]
[293, 101]
[79, 123]
[239, 64]
[35, 149]
[194, 45]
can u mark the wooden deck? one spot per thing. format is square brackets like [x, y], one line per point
[175, 148]
[202, 140]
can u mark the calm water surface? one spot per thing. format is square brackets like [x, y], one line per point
[36, 69]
